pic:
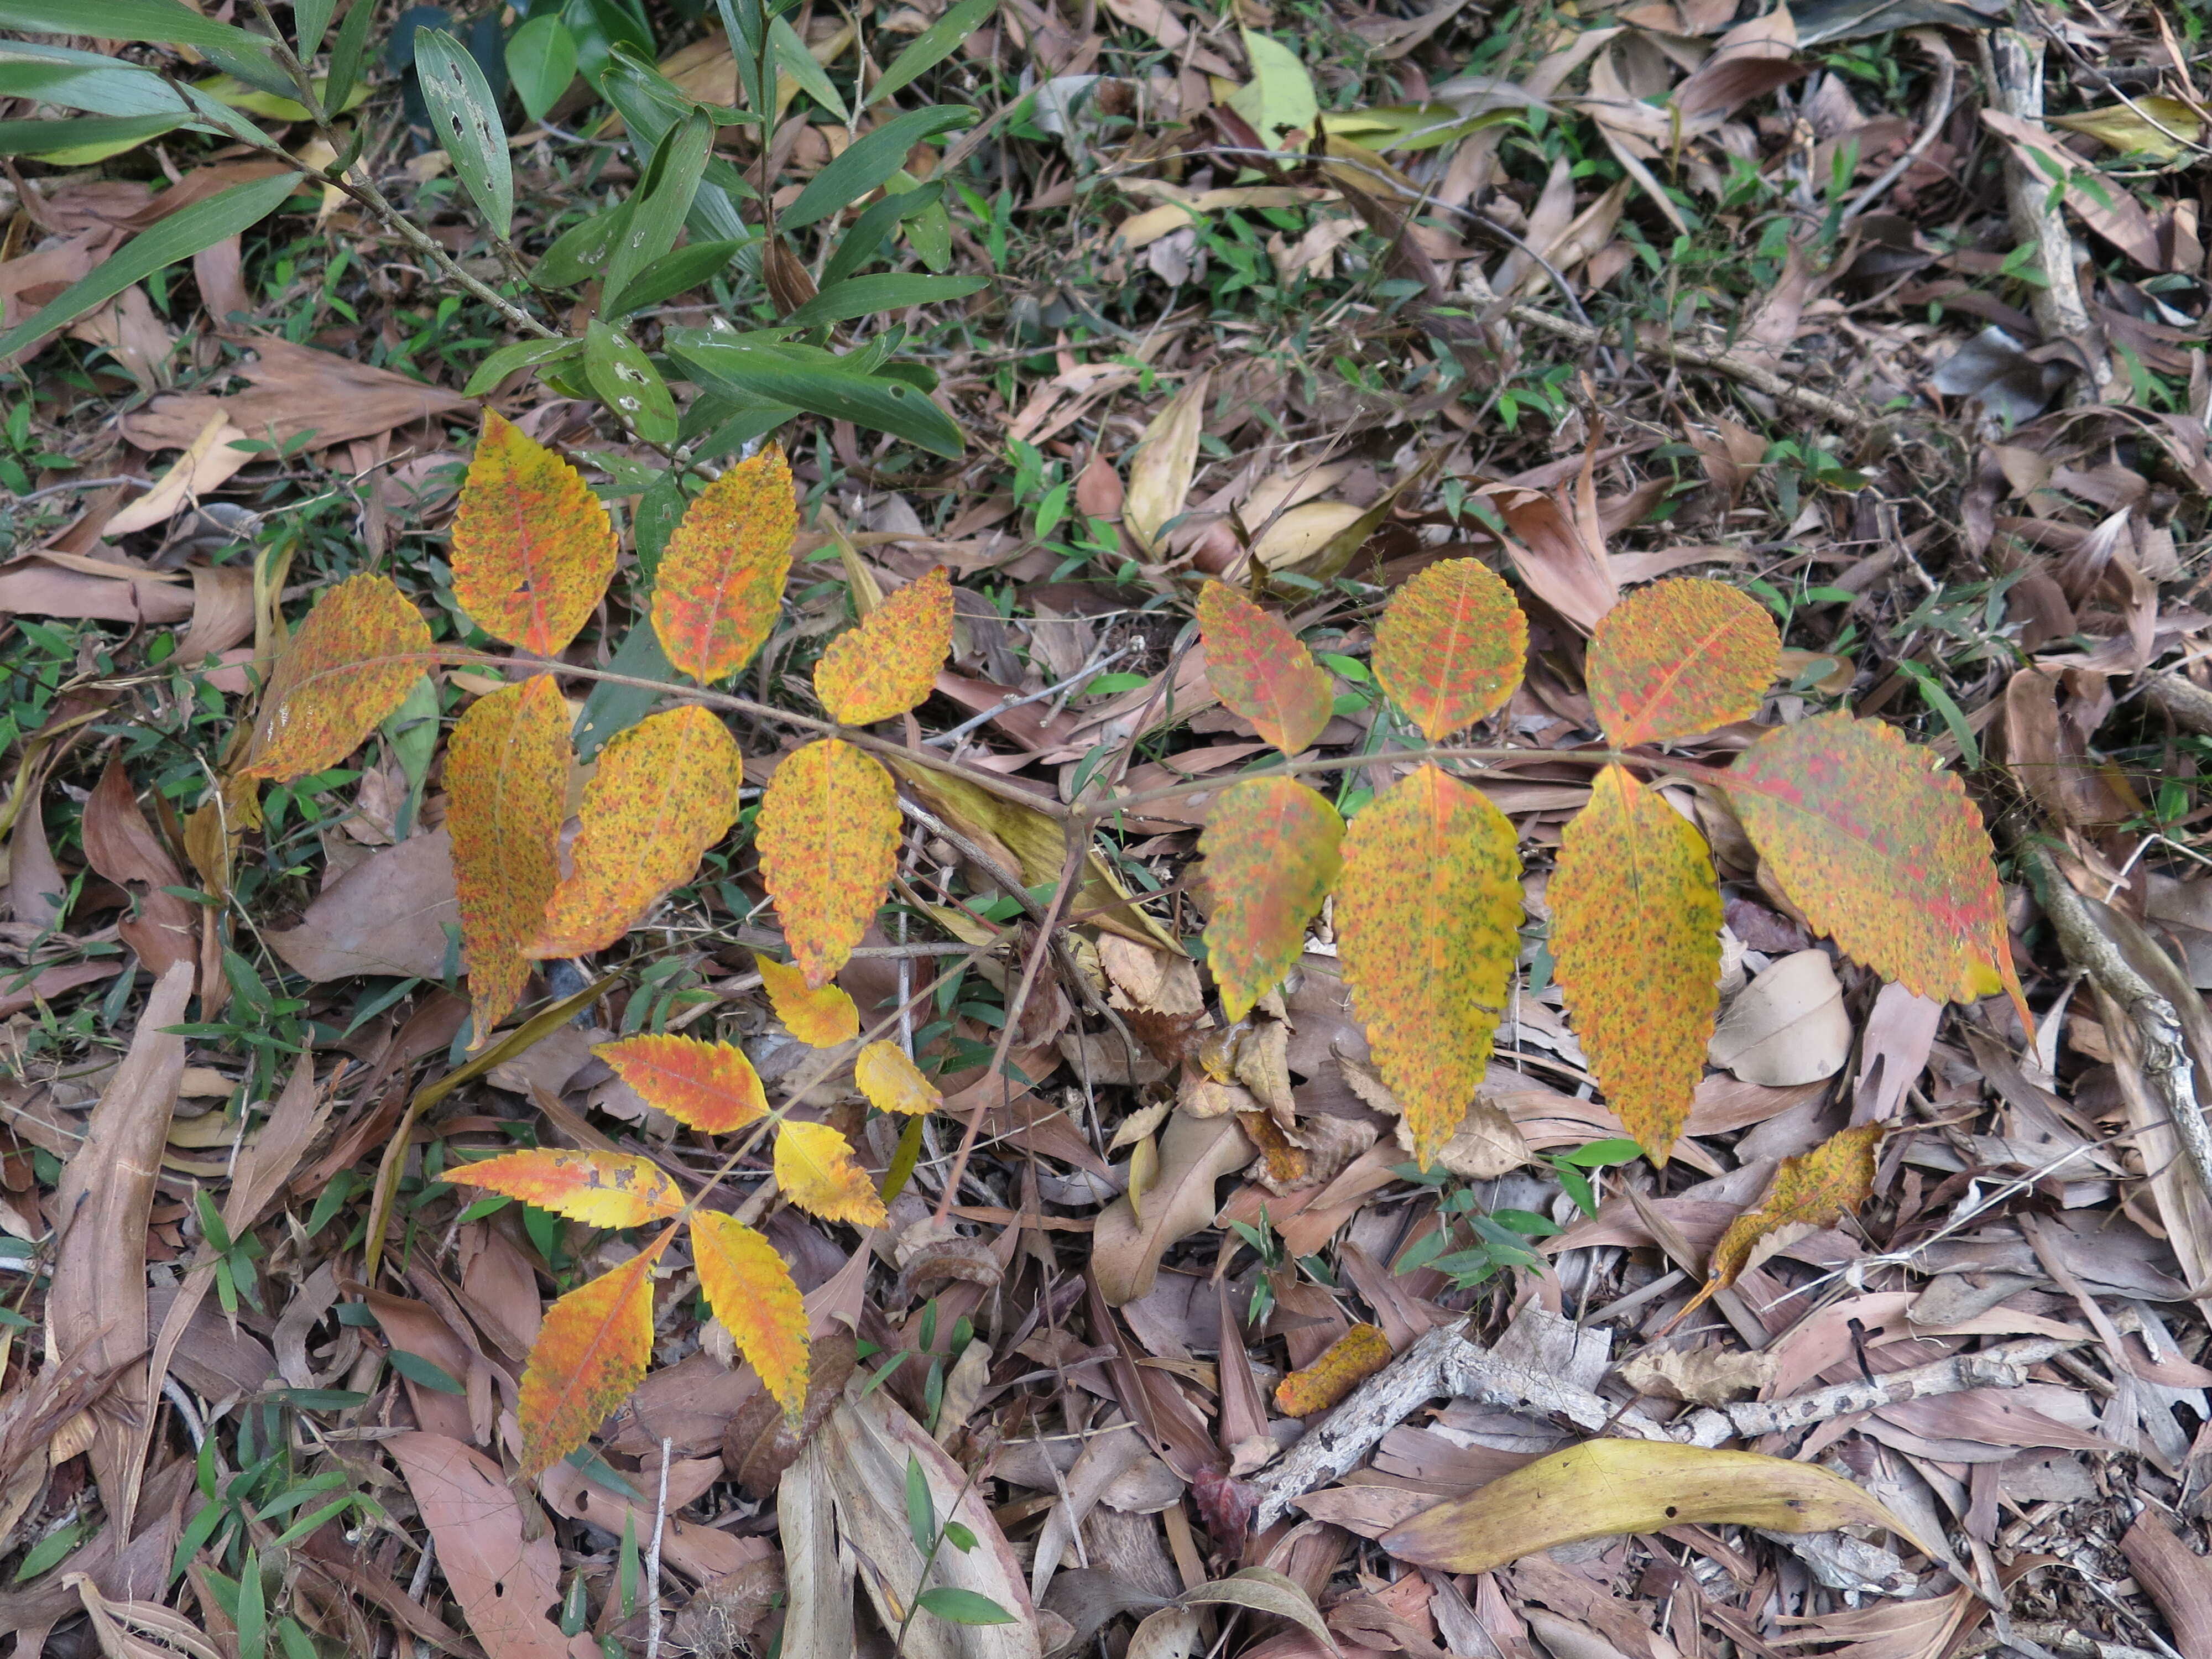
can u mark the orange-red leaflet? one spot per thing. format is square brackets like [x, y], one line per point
[1679, 658]
[1814, 1187]
[590, 1356]
[707, 1086]
[814, 1168]
[1262, 670]
[720, 579]
[893, 1083]
[820, 1018]
[1271, 846]
[888, 664]
[1342, 1366]
[507, 770]
[666, 791]
[828, 834]
[1449, 646]
[752, 1293]
[532, 548]
[1636, 923]
[601, 1190]
[350, 665]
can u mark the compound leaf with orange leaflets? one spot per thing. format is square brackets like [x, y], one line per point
[1271, 847]
[752, 1293]
[1449, 646]
[601, 1190]
[1881, 849]
[1262, 670]
[828, 834]
[707, 1086]
[719, 582]
[1428, 920]
[893, 1083]
[1636, 922]
[814, 1168]
[1679, 658]
[1814, 1187]
[888, 664]
[666, 791]
[820, 1018]
[351, 665]
[590, 1355]
[507, 770]
[532, 548]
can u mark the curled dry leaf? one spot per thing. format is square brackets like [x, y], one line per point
[1788, 1026]
[814, 1168]
[1166, 458]
[1271, 846]
[893, 1083]
[820, 1018]
[888, 664]
[1810, 1190]
[1193, 1154]
[721, 580]
[350, 665]
[533, 548]
[1679, 658]
[507, 769]
[707, 1086]
[1449, 648]
[827, 835]
[601, 1190]
[1262, 670]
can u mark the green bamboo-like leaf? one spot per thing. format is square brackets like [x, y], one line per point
[671, 274]
[933, 45]
[83, 80]
[752, 369]
[793, 58]
[869, 162]
[346, 53]
[526, 353]
[110, 135]
[311, 21]
[864, 241]
[627, 383]
[465, 117]
[541, 61]
[663, 201]
[863, 296]
[159, 22]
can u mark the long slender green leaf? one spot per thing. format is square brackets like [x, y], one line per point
[663, 200]
[311, 20]
[627, 382]
[752, 370]
[83, 80]
[868, 161]
[525, 354]
[862, 296]
[465, 117]
[541, 61]
[179, 236]
[672, 274]
[865, 240]
[793, 58]
[108, 133]
[346, 53]
[932, 46]
[161, 22]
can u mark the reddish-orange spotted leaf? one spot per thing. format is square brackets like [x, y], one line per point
[1881, 850]
[350, 665]
[1428, 920]
[820, 1018]
[893, 1083]
[888, 664]
[827, 835]
[1343, 1366]
[752, 1293]
[1271, 847]
[601, 1190]
[590, 1355]
[720, 579]
[1680, 657]
[814, 1168]
[533, 548]
[1636, 926]
[707, 1086]
[1814, 1187]
[1262, 670]
[1449, 649]
[507, 771]
[666, 791]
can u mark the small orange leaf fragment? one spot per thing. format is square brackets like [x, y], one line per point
[1271, 846]
[601, 1190]
[720, 579]
[1449, 646]
[1343, 1366]
[1813, 1188]
[1262, 670]
[820, 1018]
[1679, 658]
[1428, 919]
[893, 1083]
[666, 791]
[350, 665]
[1636, 926]
[506, 768]
[888, 664]
[814, 1168]
[707, 1086]
[828, 834]
[590, 1356]
[533, 549]
[752, 1293]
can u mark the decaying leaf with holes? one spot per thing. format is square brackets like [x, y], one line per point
[601, 1190]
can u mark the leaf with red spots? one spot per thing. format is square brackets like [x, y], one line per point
[1680, 657]
[1428, 920]
[666, 791]
[827, 835]
[888, 664]
[1814, 1188]
[1262, 670]
[1449, 646]
[1636, 922]
[601, 1190]
[350, 666]
[752, 1293]
[814, 1168]
[1881, 849]
[507, 770]
[707, 1086]
[819, 1018]
[720, 579]
[1342, 1366]
[1272, 848]
[533, 549]
[590, 1356]
[893, 1083]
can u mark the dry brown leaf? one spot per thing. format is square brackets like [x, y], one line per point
[118, 842]
[389, 914]
[1786, 1026]
[1166, 458]
[1195, 1153]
